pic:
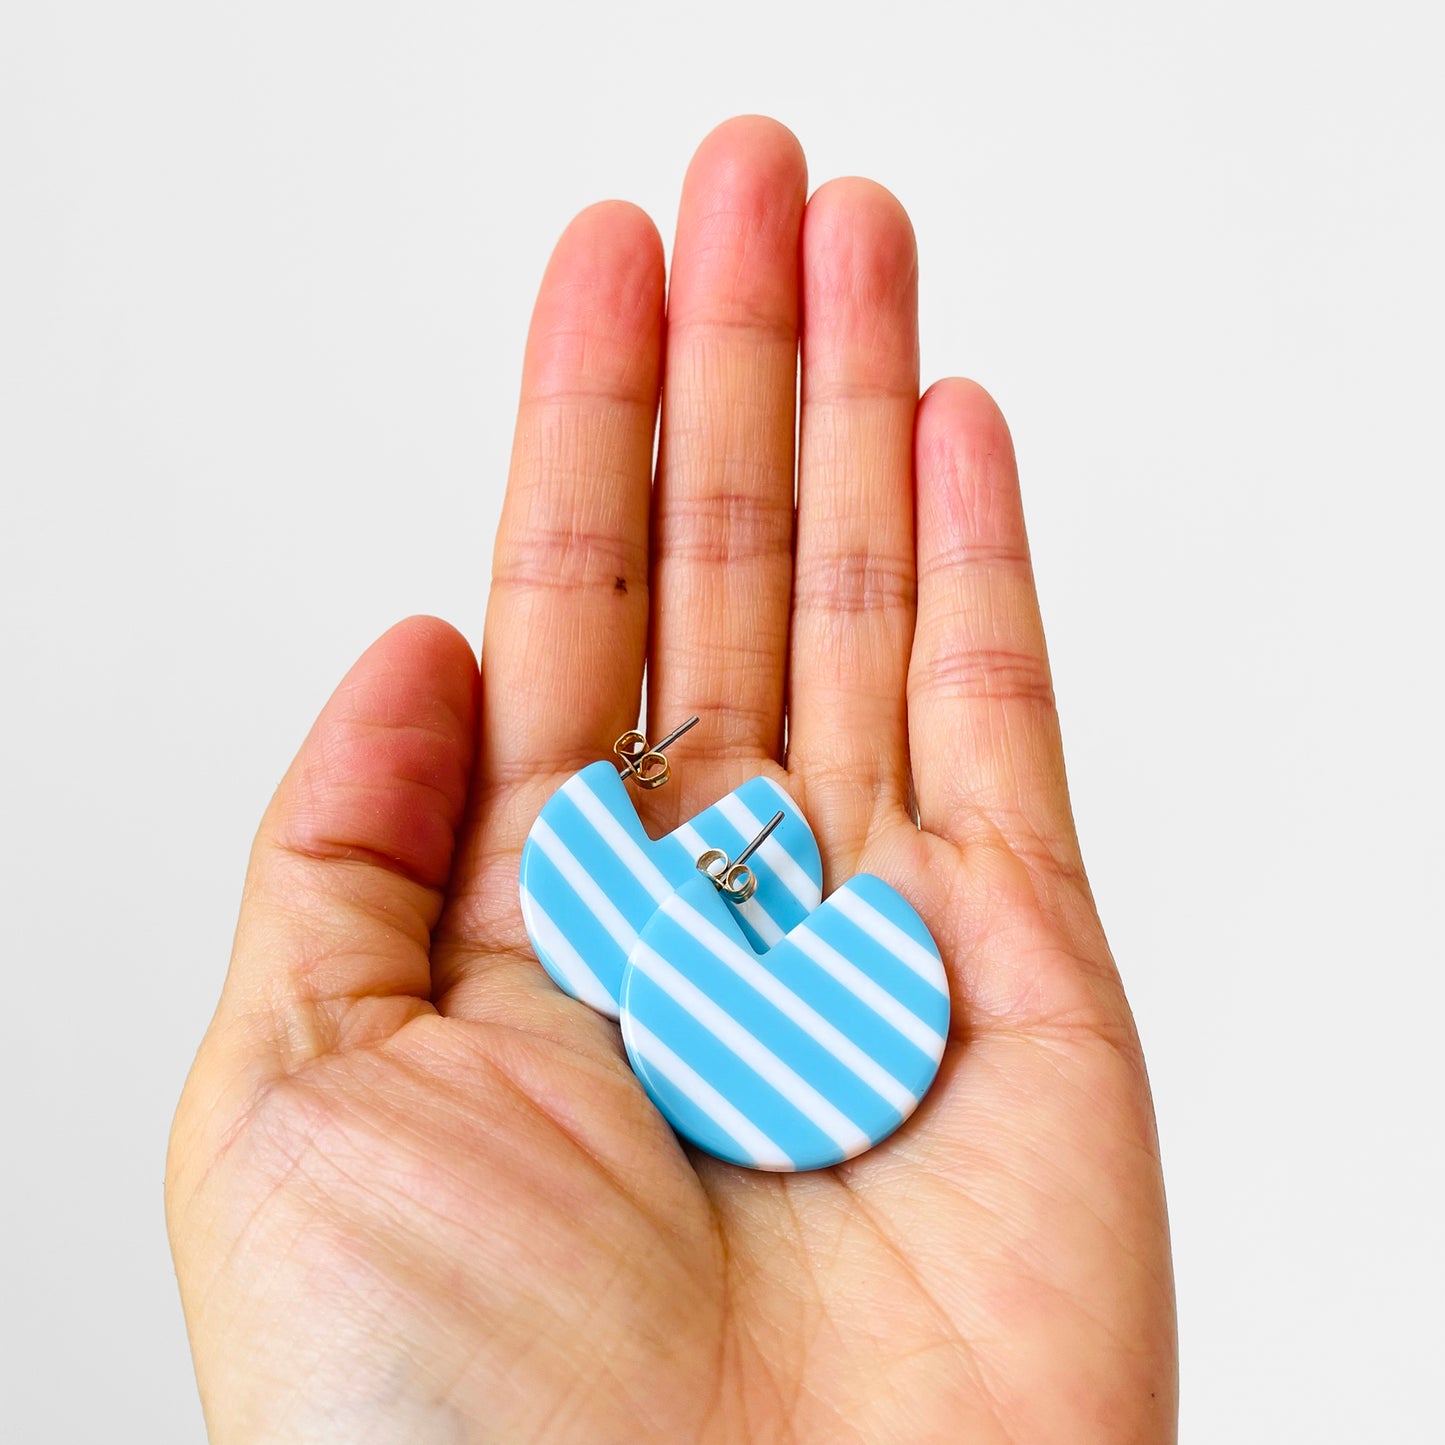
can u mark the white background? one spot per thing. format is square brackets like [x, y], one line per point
[265, 272]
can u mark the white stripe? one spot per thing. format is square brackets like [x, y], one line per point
[884, 931]
[813, 892]
[582, 983]
[584, 885]
[703, 1097]
[792, 874]
[762, 922]
[746, 966]
[756, 1055]
[869, 991]
[616, 837]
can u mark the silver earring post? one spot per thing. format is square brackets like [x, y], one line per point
[732, 877]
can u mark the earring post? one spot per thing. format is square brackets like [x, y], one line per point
[759, 840]
[673, 736]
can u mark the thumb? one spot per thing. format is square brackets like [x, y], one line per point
[349, 868]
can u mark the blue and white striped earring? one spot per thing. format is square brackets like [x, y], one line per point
[796, 1058]
[591, 877]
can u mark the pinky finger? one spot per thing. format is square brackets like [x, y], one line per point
[983, 730]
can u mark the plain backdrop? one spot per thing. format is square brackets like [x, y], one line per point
[265, 273]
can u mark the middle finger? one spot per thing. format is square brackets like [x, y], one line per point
[723, 505]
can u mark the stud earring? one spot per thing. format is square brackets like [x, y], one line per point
[644, 762]
[591, 876]
[797, 1058]
[732, 876]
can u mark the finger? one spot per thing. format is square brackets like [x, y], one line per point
[567, 617]
[566, 628]
[853, 583]
[353, 855]
[987, 757]
[723, 514]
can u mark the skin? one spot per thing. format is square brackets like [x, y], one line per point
[414, 1192]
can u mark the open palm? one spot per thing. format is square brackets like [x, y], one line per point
[415, 1193]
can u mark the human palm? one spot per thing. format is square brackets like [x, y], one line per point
[415, 1192]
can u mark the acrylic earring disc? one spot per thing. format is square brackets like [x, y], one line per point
[797, 1058]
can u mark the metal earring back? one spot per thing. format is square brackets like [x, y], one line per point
[732, 877]
[644, 761]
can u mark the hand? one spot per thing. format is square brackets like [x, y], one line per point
[415, 1193]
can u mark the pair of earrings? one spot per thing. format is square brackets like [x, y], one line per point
[771, 1029]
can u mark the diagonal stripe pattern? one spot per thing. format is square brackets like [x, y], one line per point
[591, 878]
[797, 1058]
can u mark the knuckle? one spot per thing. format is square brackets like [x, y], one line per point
[562, 557]
[854, 582]
[982, 673]
[722, 526]
[741, 318]
[976, 556]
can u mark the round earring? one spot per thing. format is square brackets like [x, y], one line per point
[797, 1058]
